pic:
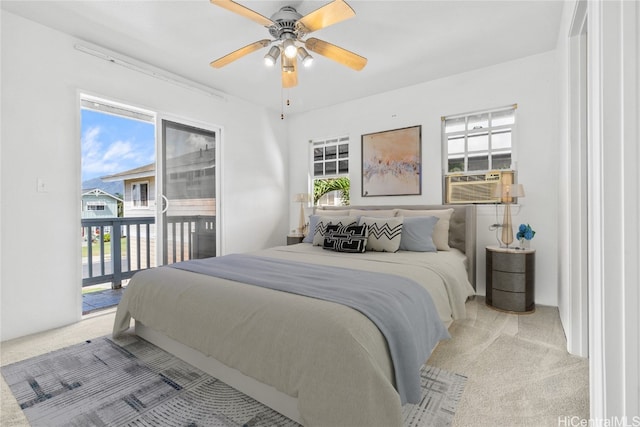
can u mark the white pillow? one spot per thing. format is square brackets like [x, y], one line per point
[384, 233]
[380, 213]
[441, 230]
[323, 221]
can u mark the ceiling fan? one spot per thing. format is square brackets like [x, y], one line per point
[289, 29]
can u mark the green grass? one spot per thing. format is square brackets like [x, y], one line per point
[95, 248]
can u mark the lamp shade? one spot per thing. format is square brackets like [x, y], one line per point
[508, 191]
[271, 56]
[301, 197]
[517, 190]
[305, 57]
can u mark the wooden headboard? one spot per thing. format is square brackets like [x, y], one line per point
[462, 228]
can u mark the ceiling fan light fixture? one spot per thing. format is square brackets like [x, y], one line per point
[290, 49]
[304, 56]
[271, 57]
[288, 30]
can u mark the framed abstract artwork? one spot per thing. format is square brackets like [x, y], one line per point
[391, 162]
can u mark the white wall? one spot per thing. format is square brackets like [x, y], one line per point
[531, 82]
[42, 75]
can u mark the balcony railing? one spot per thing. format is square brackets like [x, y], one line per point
[116, 266]
[189, 237]
[133, 243]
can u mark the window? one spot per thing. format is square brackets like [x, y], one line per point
[140, 194]
[95, 206]
[479, 141]
[330, 166]
[330, 157]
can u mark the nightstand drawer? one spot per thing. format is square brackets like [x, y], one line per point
[510, 262]
[292, 240]
[510, 301]
[511, 282]
[510, 279]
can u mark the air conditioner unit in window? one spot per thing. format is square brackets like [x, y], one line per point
[475, 188]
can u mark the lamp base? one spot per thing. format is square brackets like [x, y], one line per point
[507, 227]
[301, 223]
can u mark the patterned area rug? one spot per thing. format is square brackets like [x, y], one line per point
[134, 383]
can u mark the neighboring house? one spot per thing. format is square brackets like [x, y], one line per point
[190, 191]
[190, 186]
[139, 190]
[99, 204]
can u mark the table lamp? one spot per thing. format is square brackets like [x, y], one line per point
[301, 198]
[506, 193]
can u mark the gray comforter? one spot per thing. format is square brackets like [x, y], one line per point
[330, 357]
[400, 308]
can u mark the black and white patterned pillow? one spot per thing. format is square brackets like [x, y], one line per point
[341, 238]
[384, 233]
[324, 221]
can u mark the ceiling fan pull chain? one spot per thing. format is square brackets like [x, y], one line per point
[281, 103]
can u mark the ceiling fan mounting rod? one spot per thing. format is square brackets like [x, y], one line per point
[284, 24]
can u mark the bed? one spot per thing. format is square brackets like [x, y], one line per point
[318, 362]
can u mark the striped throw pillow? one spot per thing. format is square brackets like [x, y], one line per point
[384, 233]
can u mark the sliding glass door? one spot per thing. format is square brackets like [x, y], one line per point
[189, 196]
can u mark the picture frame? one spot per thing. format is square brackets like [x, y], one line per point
[392, 162]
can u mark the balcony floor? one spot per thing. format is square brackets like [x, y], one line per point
[100, 300]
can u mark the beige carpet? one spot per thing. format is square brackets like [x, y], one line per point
[519, 373]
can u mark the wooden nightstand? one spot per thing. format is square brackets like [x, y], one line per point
[510, 279]
[292, 240]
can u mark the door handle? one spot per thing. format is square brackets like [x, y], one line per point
[166, 203]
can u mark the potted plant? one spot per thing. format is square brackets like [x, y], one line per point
[525, 233]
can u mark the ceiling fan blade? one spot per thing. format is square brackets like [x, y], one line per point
[227, 59]
[289, 72]
[329, 14]
[244, 11]
[338, 54]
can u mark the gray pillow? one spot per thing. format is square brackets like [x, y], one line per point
[417, 232]
[313, 223]
[441, 230]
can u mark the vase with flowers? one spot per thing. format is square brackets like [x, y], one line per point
[524, 235]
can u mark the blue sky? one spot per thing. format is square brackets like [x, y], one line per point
[112, 144]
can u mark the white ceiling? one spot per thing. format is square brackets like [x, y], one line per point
[405, 42]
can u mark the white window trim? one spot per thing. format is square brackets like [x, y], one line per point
[444, 139]
[327, 142]
[98, 203]
[133, 205]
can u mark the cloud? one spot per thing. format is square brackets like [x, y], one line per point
[119, 150]
[100, 157]
[181, 142]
